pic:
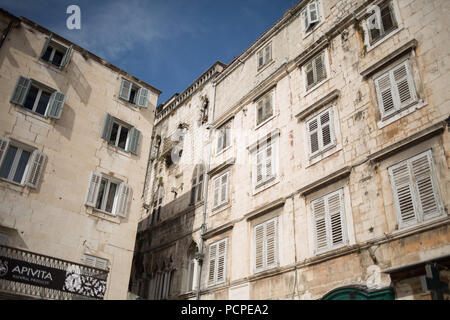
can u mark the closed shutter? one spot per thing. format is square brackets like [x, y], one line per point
[309, 71]
[269, 162]
[260, 59]
[125, 90]
[404, 84]
[426, 185]
[4, 144]
[320, 69]
[221, 261]
[313, 135]
[216, 192]
[21, 90]
[123, 199]
[260, 115]
[326, 128]
[268, 53]
[93, 188]
[212, 263]
[403, 193]
[319, 216]
[271, 240]
[142, 98]
[66, 57]
[260, 169]
[220, 140]
[55, 105]
[224, 189]
[259, 247]
[35, 167]
[134, 140]
[336, 218]
[107, 127]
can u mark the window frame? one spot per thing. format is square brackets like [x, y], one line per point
[41, 88]
[221, 202]
[269, 95]
[261, 147]
[12, 171]
[383, 33]
[321, 148]
[224, 137]
[215, 271]
[306, 14]
[103, 204]
[196, 192]
[262, 54]
[265, 266]
[327, 69]
[66, 52]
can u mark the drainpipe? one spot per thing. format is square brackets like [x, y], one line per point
[205, 199]
[148, 162]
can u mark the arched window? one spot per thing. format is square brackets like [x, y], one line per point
[191, 283]
[157, 202]
[197, 184]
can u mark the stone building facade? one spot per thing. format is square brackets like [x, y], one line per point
[324, 161]
[75, 133]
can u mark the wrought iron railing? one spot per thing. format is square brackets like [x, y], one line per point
[29, 274]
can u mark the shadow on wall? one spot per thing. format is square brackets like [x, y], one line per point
[162, 244]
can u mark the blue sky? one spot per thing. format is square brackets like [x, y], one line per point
[166, 43]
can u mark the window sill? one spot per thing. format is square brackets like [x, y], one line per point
[264, 122]
[222, 151]
[263, 270]
[51, 65]
[316, 86]
[401, 113]
[103, 215]
[442, 216]
[370, 47]
[331, 251]
[22, 188]
[32, 114]
[324, 154]
[221, 207]
[265, 185]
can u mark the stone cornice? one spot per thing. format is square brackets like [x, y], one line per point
[265, 209]
[330, 97]
[333, 177]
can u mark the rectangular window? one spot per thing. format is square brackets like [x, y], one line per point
[108, 194]
[121, 134]
[20, 164]
[264, 169]
[266, 245]
[311, 16]
[264, 108]
[221, 185]
[38, 98]
[329, 221]
[385, 20]
[315, 71]
[265, 56]
[415, 189]
[395, 89]
[223, 137]
[55, 53]
[134, 94]
[320, 132]
[217, 262]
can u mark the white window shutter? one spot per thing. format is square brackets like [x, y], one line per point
[313, 13]
[326, 129]
[125, 89]
[212, 263]
[403, 193]
[259, 247]
[404, 84]
[306, 18]
[93, 188]
[313, 135]
[4, 144]
[268, 53]
[66, 57]
[426, 185]
[309, 73]
[269, 170]
[216, 192]
[35, 167]
[21, 90]
[142, 98]
[259, 168]
[385, 95]
[221, 261]
[220, 140]
[124, 195]
[320, 68]
[320, 229]
[335, 214]
[55, 105]
[260, 59]
[271, 243]
[224, 188]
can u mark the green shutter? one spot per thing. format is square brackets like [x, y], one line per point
[142, 98]
[21, 91]
[125, 90]
[4, 144]
[47, 41]
[134, 139]
[55, 105]
[66, 57]
[107, 127]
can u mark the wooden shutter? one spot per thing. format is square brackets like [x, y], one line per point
[134, 140]
[268, 53]
[55, 105]
[319, 216]
[93, 188]
[107, 127]
[269, 170]
[320, 69]
[271, 243]
[259, 169]
[125, 90]
[221, 261]
[404, 85]
[224, 188]
[212, 263]
[425, 184]
[259, 247]
[385, 95]
[313, 135]
[309, 71]
[216, 192]
[313, 13]
[66, 57]
[47, 42]
[335, 214]
[260, 59]
[220, 140]
[4, 144]
[142, 98]
[326, 125]
[21, 90]
[403, 193]
[124, 194]
[35, 167]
